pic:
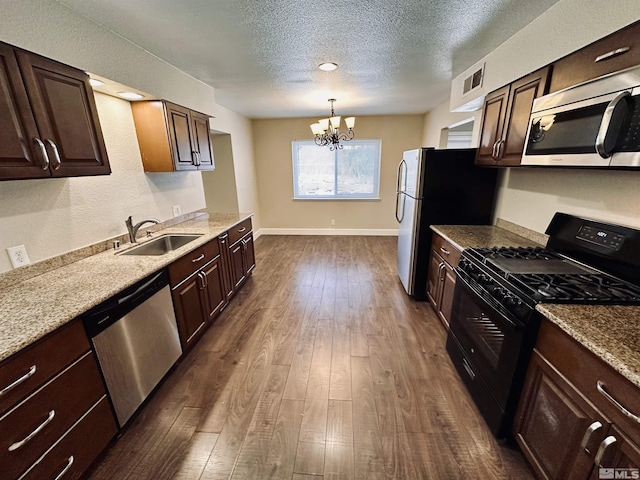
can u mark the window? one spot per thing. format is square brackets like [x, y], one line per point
[352, 172]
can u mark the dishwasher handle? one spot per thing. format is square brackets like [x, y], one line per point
[110, 311]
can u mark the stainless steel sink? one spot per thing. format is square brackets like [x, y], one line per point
[161, 245]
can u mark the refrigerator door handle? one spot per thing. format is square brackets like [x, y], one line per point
[399, 186]
[399, 218]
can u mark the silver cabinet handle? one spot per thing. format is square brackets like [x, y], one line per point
[194, 159]
[56, 154]
[595, 426]
[445, 251]
[493, 151]
[43, 152]
[606, 443]
[197, 259]
[204, 280]
[468, 368]
[611, 54]
[498, 148]
[17, 445]
[17, 382]
[606, 121]
[66, 468]
[240, 230]
[617, 404]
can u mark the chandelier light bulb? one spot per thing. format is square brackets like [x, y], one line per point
[350, 122]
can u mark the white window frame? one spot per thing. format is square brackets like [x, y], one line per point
[375, 195]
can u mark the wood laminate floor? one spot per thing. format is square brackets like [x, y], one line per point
[320, 368]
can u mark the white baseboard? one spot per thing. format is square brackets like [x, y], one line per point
[377, 232]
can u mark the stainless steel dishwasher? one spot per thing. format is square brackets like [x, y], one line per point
[135, 337]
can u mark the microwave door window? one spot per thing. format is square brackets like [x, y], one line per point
[573, 131]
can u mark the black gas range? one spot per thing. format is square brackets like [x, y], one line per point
[494, 323]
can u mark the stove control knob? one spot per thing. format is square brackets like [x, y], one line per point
[499, 293]
[484, 279]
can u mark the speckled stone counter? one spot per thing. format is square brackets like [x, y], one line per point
[33, 307]
[611, 332]
[466, 236]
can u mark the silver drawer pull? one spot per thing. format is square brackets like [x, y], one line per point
[445, 251]
[606, 443]
[66, 468]
[240, 230]
[30, 373]
[587, 435]
[17, 445]
[56, 154]
[611, 54]
[43, 152]
[196, 260]
[618, 405]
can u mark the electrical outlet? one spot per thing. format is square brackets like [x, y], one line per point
[177, 211]
[333, 222]
[18, 256]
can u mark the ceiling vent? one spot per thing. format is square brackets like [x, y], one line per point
[473, 81]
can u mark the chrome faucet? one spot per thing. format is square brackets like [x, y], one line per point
[133, 229]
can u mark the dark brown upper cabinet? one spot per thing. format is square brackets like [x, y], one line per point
[171, 137]
[49, 126]
[505, 119]
[613, 53]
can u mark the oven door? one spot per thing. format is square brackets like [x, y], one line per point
[490, 341]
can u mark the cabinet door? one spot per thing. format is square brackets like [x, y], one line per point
[523, 93]
[552, 422]
[448, 287]
[434, 283]
[249, 254]
[202, 141]
[20, 156]
[188, 302]
[226, 266]
[213, 281]
[495, 106]
[180, 137]
[236, 259]
[65, 112]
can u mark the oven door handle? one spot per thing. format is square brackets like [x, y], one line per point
[478, 298]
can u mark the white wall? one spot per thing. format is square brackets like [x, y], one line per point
[440, 118]
[564, 28]
[53, 216]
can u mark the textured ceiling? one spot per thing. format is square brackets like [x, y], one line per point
[261, 56]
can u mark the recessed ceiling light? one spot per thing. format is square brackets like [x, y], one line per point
[130, 95]
[95, 82]
[328, 66]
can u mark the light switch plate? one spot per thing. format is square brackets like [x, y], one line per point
[18, 256]
[177, 211]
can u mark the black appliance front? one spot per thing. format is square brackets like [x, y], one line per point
[490, 349]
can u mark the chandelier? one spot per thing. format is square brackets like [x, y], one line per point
[327, 131]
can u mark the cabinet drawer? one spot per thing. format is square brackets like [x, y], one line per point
[45, 358]
[192, 261]
[68, 396]
[79, 447]
[239, 231]
[446, 250]
[584, 369]
[581, 65]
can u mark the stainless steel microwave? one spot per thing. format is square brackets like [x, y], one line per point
[594, 124]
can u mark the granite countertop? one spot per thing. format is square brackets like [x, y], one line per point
[611, 332]
[32, 308]
[467, 236]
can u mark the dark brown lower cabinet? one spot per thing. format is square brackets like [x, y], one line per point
[212, 274]
[191, 315]
[242, 259]
[441, 278]
[565, 426]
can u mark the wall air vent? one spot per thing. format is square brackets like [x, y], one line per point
[473, 81]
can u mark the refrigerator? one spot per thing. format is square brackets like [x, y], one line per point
[437, 187]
